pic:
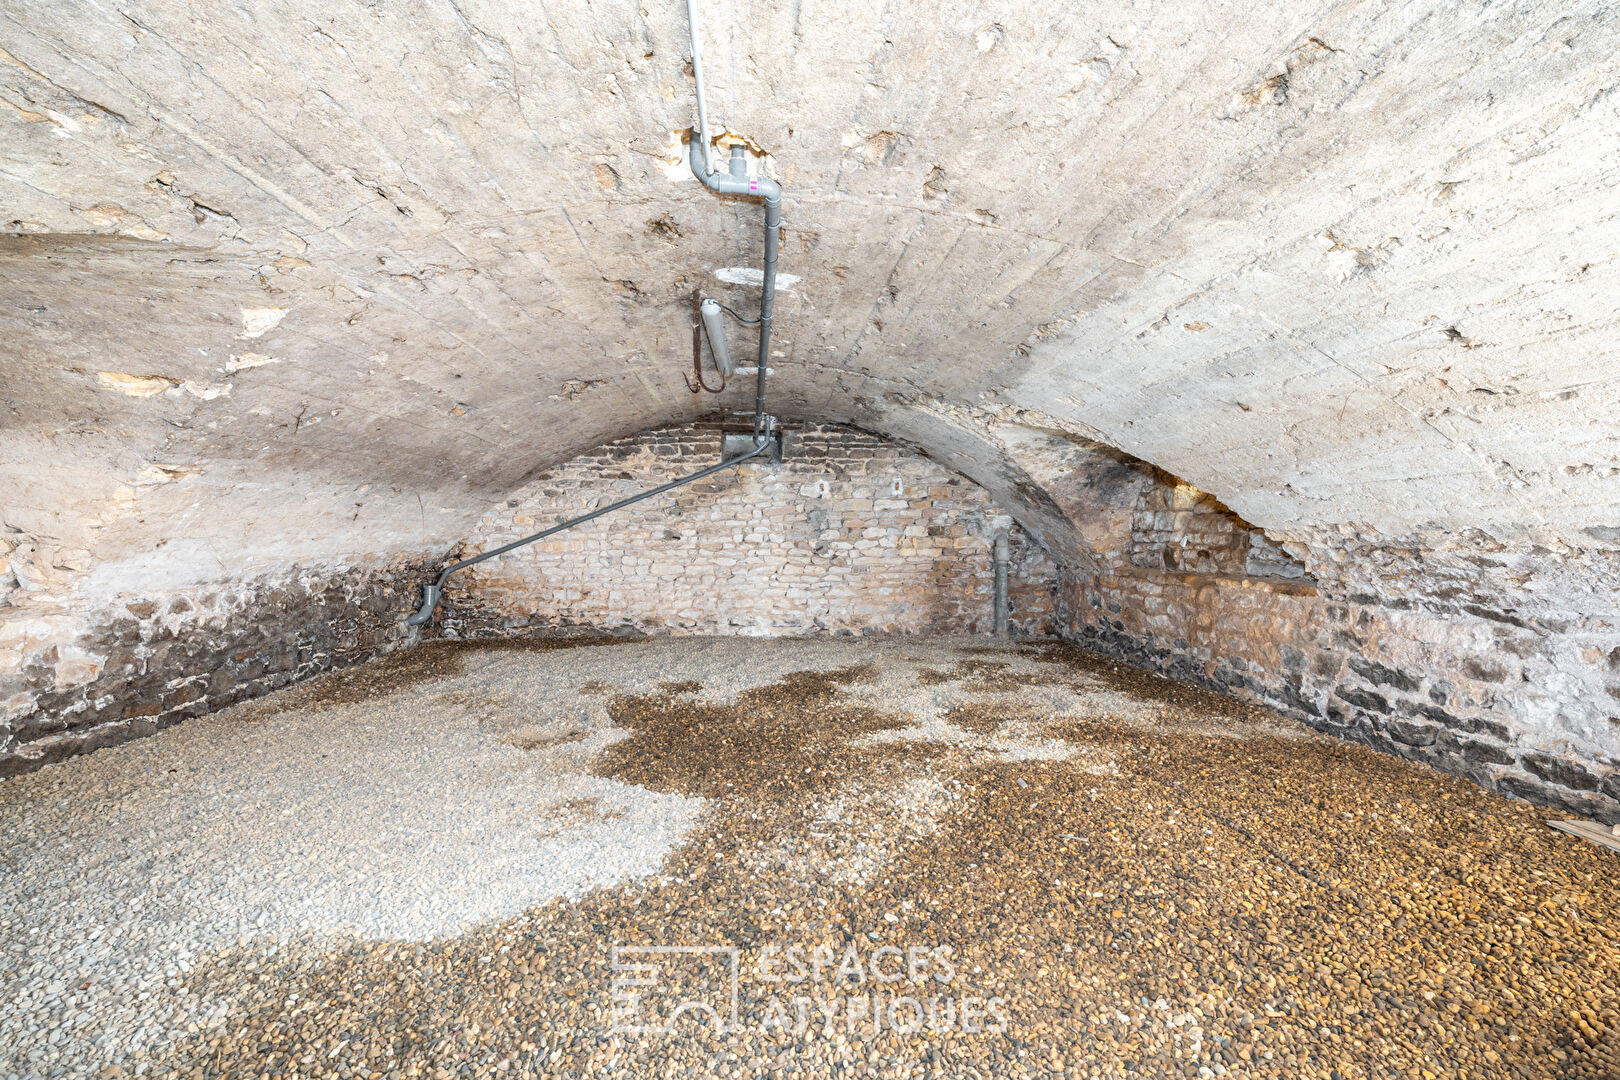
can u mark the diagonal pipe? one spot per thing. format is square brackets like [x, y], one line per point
[431, 593]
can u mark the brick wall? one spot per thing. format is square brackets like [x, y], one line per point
[851, 534]
[75, 682]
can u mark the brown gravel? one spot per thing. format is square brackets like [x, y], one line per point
[1235, 898]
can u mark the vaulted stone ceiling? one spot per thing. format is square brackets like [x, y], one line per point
[297, 281]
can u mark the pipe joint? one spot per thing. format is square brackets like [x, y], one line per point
[430, 600]
[736, 181]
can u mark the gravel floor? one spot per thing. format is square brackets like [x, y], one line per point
[1023, 860]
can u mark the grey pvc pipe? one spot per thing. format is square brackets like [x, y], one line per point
[1001, 603]
[767, 298]
[738, 182]
[697, 77]
[735, 182]
[431, 593]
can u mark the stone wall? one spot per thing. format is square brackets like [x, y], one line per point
[1492, 661]
[851, 534]
[71, 683]
[1177, 527]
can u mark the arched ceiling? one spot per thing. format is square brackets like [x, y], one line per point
[298, 281]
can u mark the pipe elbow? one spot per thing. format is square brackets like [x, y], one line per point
[430, 600]
[694, 155]
[762, 187]
[768, 189]
[695, 159]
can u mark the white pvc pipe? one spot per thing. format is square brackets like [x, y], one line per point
[697, 76]
[714, 326]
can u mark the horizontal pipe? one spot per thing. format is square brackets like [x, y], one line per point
[431, 593]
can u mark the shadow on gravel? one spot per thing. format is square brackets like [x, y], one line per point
[439, 658]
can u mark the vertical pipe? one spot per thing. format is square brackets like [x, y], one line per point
[1001, 557]
[773, 240]
[738, 182]
[697, 77]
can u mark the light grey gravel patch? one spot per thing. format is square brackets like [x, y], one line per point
[404, 817]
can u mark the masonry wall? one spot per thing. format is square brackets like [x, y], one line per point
[1485, 660]
[72, 681]
[851, 534]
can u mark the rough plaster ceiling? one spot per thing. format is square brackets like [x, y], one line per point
[308, 281]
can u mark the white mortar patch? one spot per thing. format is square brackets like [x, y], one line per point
[133, 385]
[206, 391]
[257, 321]
[244, 361]
[748, 275]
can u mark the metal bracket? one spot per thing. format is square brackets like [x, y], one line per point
[737, 443]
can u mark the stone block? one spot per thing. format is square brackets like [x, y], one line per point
[1362, 699]
[1563, 771]
[1474, 750]
[1412, 732]
[1380, 674]
[185, 694]
[1535, 790]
